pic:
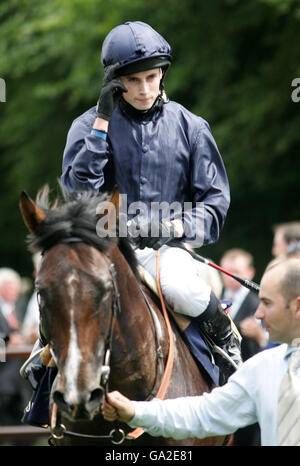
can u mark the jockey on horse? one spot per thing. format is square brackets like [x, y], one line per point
[158, 153]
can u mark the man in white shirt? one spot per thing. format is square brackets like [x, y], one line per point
[250, 395]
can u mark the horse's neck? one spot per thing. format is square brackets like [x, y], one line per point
[134, 345]
[133, 305]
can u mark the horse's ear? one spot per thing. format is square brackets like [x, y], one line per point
[113, 209]
[108, 212]
[115, 199]
[32, 214]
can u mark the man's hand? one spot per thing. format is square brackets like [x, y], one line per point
[111, 93]
[117, 408]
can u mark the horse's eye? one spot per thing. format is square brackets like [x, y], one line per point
[40, 299]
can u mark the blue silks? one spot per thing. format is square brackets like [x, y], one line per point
[200, 350]
[37, 412]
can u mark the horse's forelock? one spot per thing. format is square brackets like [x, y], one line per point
[75, 216]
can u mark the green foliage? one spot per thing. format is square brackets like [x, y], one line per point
[234, 61]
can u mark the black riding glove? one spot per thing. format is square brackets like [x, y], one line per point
[111, 92]
[150, 234]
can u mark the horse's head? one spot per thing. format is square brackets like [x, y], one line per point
[77, 297]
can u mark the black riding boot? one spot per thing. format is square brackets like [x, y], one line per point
[222, 338]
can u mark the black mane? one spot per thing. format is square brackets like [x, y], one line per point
[72, 218]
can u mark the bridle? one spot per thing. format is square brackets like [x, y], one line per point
[118, 436]
[116, 309]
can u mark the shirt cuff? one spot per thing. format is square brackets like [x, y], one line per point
[144, 414]
[100, 134]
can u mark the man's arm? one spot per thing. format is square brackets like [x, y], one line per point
[220, 412]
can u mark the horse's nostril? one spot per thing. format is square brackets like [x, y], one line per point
[96, 395]
[58, 397]
[82, 408]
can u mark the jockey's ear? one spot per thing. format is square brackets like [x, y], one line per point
[32, 214]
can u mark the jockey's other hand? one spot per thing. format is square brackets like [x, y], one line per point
[154, 234]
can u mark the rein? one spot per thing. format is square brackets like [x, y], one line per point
[169, 366]
[118, 436]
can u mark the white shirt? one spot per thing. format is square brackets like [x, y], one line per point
[249, 396]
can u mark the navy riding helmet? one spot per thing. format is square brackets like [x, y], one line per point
[136, 46]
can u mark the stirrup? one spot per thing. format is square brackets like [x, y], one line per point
[225, 355]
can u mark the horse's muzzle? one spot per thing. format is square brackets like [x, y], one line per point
[81, 407]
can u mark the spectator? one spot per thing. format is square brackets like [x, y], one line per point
[251, 328]
[242, 310]
[293, 249]
[285, 234]
[10, 283]
[12, 391]
[254, 393]
[244, 302]
[30, 328]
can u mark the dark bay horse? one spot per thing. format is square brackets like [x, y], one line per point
[96, 314]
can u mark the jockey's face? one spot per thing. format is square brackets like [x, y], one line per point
[143, 88]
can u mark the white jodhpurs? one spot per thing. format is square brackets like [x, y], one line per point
[182, 286]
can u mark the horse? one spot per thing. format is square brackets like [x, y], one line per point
[104, 327]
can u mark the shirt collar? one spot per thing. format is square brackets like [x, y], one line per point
[290, 349]
[141, 115]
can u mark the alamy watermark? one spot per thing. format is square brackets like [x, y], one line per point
[2, 90]
[113, 223]
[2, 350]
[296, 92]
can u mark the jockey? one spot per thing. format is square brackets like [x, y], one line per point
[159, 154]
[163, 158]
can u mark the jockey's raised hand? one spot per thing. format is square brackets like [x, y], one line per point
[111, 93]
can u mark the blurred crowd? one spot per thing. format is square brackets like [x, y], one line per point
[19, 319]
[19, 323]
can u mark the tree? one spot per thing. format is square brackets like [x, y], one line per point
[234, 62]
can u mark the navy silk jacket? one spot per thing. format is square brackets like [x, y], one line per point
[169, 155]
